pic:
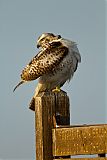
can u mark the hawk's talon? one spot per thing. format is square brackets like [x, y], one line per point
[57, 89]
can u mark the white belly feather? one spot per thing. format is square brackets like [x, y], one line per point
[64, 71]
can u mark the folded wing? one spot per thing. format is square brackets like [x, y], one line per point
[44, 62]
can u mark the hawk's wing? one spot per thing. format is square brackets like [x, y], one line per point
[44, 62]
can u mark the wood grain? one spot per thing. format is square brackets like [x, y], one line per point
[80, 140]
[47, 104]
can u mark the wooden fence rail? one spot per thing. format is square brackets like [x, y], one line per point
[64, 141]
[80, 140]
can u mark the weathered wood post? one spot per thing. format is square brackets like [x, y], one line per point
[49, 108]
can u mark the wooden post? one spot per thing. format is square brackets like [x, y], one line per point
[62, 110]
[48, 107]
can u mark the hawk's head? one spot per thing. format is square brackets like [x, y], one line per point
[45, 38]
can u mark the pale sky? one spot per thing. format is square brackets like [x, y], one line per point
[21, 22]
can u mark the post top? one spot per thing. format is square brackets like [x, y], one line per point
[50, 93]
[45, 94]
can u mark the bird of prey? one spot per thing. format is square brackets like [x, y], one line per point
[55, 63]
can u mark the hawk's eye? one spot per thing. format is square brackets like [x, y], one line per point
[59, 36]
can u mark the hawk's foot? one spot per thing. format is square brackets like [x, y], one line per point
[57, 89]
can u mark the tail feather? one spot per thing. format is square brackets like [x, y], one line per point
[18, 85]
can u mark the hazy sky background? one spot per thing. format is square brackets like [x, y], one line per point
[21, 22]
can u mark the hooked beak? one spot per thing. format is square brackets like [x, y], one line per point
[38, 45]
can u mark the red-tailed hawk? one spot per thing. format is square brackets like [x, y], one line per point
[55, 63]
